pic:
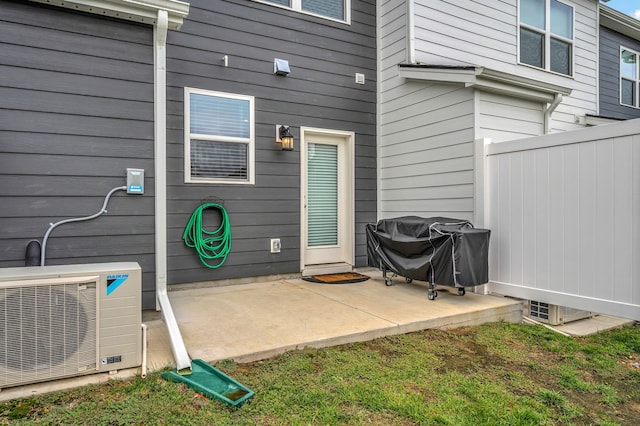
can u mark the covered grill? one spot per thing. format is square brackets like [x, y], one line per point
[439, 250]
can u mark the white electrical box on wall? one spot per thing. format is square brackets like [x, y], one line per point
[135, 181]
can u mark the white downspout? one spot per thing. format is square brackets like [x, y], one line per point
[549, 110]
[160, 129]
[411, 31]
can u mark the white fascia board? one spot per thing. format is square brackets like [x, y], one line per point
[488, 80]
[593, 120]
[519, 86]
[619, 22]
[143, 11]
[465, 75]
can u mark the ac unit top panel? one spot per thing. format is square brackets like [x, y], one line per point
[55, 271]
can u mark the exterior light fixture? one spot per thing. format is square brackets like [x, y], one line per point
[284, 138]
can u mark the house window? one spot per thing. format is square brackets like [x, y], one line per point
[219, 137]
[332, 9]
[546, 35]
[629, 77]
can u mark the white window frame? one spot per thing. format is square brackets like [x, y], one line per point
[250, 141]
[548, 35]
[296, 5]
[636, 82]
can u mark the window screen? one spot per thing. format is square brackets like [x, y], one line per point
[218, 137]
[546, 43]
[334, 9]
[629, 78]
[330, 8]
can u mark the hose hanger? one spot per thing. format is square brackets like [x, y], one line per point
[213, 247]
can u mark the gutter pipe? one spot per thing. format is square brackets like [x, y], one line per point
[411, 31]
[183, 362]
[549, 110]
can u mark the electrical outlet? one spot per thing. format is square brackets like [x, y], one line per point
[275, 245]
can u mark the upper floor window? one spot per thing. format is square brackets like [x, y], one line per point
[219, 137]
[333, 9]
[629, 77]
[546, 35]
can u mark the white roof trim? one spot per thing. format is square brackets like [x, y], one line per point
[143, 11]
[594, 120]
[619, 22]
[486, 79]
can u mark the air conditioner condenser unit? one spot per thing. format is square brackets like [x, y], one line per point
[555, 314]
[69, 320]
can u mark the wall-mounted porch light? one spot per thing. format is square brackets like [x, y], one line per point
[284, 138]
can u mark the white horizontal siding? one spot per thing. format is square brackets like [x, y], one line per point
[503, 118]
[426, 151]
[564, 211]
[470, 32]
[485, 33]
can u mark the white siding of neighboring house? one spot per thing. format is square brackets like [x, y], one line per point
[425, 138]
[485, 33]
[504, 118]
[426, 157]
[426, 130]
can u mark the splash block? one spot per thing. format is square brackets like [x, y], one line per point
[212, 383]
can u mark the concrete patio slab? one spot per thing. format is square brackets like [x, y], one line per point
[257, 321]
[254, 321]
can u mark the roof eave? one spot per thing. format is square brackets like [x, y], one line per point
[619, 22]
[486, 79]
[143, 11]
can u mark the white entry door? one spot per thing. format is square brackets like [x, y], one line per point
[327, 201]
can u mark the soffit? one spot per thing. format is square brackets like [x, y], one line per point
[143, 11]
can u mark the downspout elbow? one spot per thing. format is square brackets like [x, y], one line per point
[557, 99]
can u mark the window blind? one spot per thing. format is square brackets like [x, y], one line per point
[322, 205]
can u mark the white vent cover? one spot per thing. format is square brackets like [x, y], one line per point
[555, 314]
[48, 329]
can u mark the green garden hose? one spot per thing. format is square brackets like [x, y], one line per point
[209, 244]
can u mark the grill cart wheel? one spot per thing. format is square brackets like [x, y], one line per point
[409, 280]
[432, 294]
[461, 292]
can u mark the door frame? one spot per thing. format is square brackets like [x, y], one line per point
[346, 215]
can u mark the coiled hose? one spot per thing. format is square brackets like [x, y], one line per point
[210, 245]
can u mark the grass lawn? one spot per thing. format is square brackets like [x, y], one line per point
[494, 374]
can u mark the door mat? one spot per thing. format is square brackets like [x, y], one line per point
[344, 278]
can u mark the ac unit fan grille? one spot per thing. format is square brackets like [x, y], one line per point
[47, 331]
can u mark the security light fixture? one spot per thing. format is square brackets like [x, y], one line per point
[284, 138]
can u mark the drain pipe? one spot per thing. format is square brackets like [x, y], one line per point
[411, 32]
[143, 368]
[183, 362]
[549, 110]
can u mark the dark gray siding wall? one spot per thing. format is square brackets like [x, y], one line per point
[76, 109]
[610, 42]
[320, 92]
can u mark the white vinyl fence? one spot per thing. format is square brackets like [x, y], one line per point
[564, 214]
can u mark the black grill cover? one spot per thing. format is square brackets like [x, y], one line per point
[428, 249]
